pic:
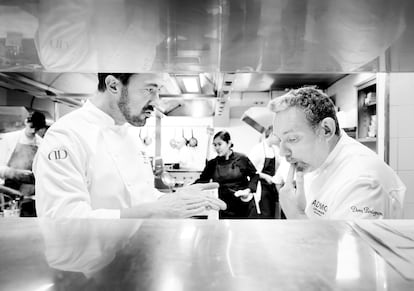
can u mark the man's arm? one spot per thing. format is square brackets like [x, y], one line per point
[61, 189]
[362, 198]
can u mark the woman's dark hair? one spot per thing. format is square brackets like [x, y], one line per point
[224, 136]
[123, 77]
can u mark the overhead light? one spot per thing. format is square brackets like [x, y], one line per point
[191, 84]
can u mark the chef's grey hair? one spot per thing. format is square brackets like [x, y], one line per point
[123, 77]
[315, 104]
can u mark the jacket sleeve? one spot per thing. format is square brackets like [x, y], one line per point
[207, 173]
[61, 183]
[363, 198]
[250, 171]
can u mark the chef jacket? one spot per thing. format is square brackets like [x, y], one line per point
[88, 167]
[352, 183]
[8, 143]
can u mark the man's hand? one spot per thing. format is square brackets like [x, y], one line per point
[24, 176]
[186, 202]
[10, 191]
[292, 195]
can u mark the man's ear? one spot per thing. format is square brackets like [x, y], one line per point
[328, 127]
[112, 84]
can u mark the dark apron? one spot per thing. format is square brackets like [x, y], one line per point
[270, 195]
[22, 159]
[234, 180]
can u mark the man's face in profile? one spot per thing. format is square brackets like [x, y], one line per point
[301, 144]
[139, 97]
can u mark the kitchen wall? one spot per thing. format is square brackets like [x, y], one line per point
[243, 136]
[402, 133]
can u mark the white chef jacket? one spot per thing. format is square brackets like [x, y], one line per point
[8, 142]
[88, 167]
[352, 183]
[257, 155]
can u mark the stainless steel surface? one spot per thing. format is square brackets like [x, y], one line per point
[282, 36]
[177, 255]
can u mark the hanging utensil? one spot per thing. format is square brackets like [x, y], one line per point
[173, 141]
[147, 139]
[192, 142]
[181, 141]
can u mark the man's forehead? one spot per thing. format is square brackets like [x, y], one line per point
[156, 79]
[289, 120]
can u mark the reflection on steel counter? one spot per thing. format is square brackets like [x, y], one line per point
[191, 255]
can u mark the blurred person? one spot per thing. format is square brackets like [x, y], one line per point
[235, 174]
[336, 176]
[266, 159]
[17, 151]
[90, 165]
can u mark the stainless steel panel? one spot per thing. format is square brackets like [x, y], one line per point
[178, 255]
[274, 36]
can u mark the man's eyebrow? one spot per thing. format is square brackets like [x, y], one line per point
[287, 131]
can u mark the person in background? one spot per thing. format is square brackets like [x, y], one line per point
[336, 176]
[17, 151]
[235, 174]
[90, 165]
[266, 159]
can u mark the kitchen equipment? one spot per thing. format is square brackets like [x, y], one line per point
[173, 141]
[181, 141]
[168, 180]
[210, 132]
[146, 140]
[192, 142]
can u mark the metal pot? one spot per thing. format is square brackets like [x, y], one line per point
[173, 141]
[192, 142]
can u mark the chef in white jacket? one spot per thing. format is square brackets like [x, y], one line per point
[91, 166]
[336, 176]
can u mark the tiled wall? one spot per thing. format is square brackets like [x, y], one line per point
[402, 133]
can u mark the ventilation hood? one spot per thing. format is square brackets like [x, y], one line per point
[187, 36]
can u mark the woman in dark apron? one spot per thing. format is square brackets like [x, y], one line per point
[233, 171]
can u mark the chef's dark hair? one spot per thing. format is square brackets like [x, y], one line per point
[123, 77]
[224, 136]
[37, 119]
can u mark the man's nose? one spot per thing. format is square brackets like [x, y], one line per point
[284, 150]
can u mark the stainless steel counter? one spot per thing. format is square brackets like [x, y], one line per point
[177, 255]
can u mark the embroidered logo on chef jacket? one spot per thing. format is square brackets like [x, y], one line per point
[319, 208]
[57, 154]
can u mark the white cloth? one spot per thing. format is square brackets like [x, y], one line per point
[261, 151]
[8, 142]
[352, 183]
[88, 167]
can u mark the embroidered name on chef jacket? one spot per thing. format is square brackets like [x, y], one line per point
[366, 209]
[319, 208]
